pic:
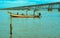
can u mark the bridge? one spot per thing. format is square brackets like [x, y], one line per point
[47, 5]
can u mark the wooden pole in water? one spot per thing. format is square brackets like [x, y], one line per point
[26, 12]
[10, 26]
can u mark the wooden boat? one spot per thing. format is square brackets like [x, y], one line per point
[24, 16]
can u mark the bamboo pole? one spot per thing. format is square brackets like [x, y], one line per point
[10, 26]
[34, 12]
[26, 12]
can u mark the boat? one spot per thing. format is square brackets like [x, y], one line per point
[23, 16]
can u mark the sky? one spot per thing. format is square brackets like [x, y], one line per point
[16, 3]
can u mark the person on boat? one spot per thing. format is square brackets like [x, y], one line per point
[17, 13]
[39, 14]
[22, 14]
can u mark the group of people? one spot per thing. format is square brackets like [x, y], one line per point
[18, 13]
[23, 14]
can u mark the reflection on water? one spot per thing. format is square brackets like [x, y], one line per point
[48, 26]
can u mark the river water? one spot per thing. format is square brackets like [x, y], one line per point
[48, 26]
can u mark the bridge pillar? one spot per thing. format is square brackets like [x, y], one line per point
[50, 8]
[59, 8]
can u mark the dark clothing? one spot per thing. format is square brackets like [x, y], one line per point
[17, 13]
[22, 14]
[39, 14]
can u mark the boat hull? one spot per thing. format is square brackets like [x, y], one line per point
[25, 16]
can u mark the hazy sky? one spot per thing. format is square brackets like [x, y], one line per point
[14, 3]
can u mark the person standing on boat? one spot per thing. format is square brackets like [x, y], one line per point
[39, 14]
[17, 13]
[22, 14]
